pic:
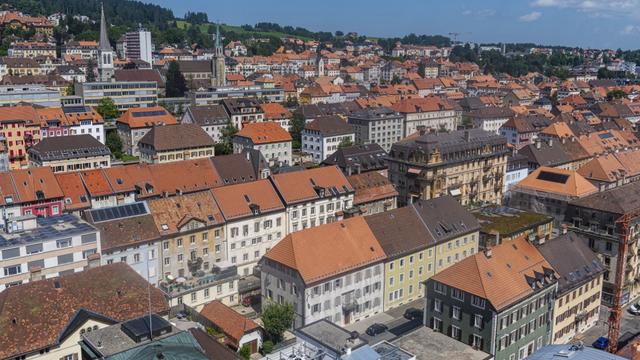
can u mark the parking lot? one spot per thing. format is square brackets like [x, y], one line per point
[394, 320]
[630, 325]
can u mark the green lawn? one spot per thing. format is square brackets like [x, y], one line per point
[127, 157]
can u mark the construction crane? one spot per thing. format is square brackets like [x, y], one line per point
[456, 34]
[624, 223]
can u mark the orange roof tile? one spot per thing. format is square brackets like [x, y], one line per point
[264, 132]
[275, 111]
[236, 201]
[574, 184]
[172, 213]
[301, 186]
[75, 195]
[324, 251]
[230, 322]
[147, 117]
[501, 278]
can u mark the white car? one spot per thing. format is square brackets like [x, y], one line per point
[634, 309]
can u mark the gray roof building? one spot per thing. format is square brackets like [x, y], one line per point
[67, 147]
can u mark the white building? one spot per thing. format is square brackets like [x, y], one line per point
[332, 272]
[314, 197]
[137, 46]
[267, 137]
[490, 118]
[39, 248]
[322, 136]
[255, 221]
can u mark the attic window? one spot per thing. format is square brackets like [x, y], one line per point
[246, 198]
[165, 227]
[119, 181]
[56, 284]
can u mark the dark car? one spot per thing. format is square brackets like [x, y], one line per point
[376, 329]
[413, 314]
[601, 343]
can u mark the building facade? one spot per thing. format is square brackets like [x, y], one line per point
[467, 164]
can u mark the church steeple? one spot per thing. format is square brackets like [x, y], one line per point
[105, 52]
[104, 38]
[218, 73]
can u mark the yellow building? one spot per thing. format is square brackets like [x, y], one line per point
[421, 240]
[577, 302]
[192, 249]
[175, 142]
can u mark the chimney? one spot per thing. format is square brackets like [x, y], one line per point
[93, 261]
[550, 142]
[35, 274]
[467, 136]
[488, 252]
[564, 228]
[538, 144]
[421, 129]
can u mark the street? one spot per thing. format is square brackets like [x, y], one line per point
[629, 326]
[393, 319]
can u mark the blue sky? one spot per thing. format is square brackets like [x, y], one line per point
[586, 23]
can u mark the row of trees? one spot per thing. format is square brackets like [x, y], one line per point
[492, 62]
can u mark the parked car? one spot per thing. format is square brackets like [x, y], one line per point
[413, 314]
[634, 309]
[376, 329]
[601, 343]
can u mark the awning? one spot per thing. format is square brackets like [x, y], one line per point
[414, 171]
[455, 192]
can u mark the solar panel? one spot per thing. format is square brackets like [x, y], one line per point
[118, 212]
[605, 136]
[553, 177]
[148, 113]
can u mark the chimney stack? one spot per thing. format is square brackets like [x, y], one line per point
[488, 252]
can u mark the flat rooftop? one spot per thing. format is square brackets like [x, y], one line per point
[331, 336]
[430, 345]
[506, 220]
[49, 228]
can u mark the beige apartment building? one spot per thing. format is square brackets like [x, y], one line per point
[175, 143]
[469, 165]
[577, 302]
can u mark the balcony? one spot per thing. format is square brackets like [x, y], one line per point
[202, 279]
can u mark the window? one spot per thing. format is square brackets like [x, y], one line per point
[63, 243]
[477, 321]
[179, 242]
[437, 305]
[457, 294]
[455, 312]
[456, 333]
[479, 302]
[12, 270]
[165, 245]
[437, 324]
[206, 293]
[136, 257]
[440, 288]
[180, 258]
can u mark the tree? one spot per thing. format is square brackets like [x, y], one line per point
[346, 142]
[616, 94]
[114, 143]
[267, 347]
[71, 88]
[107, 108]
[245, 352]
[176, 85]
[421, 69]
[291, 102]
[225, 146]
[277, 318]
[297, 125]
[91, 76]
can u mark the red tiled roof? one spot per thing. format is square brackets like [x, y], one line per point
[230, 322]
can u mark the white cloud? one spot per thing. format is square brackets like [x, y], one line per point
[533, 16]
[482, 13]
[630, 30]
[595, 8]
